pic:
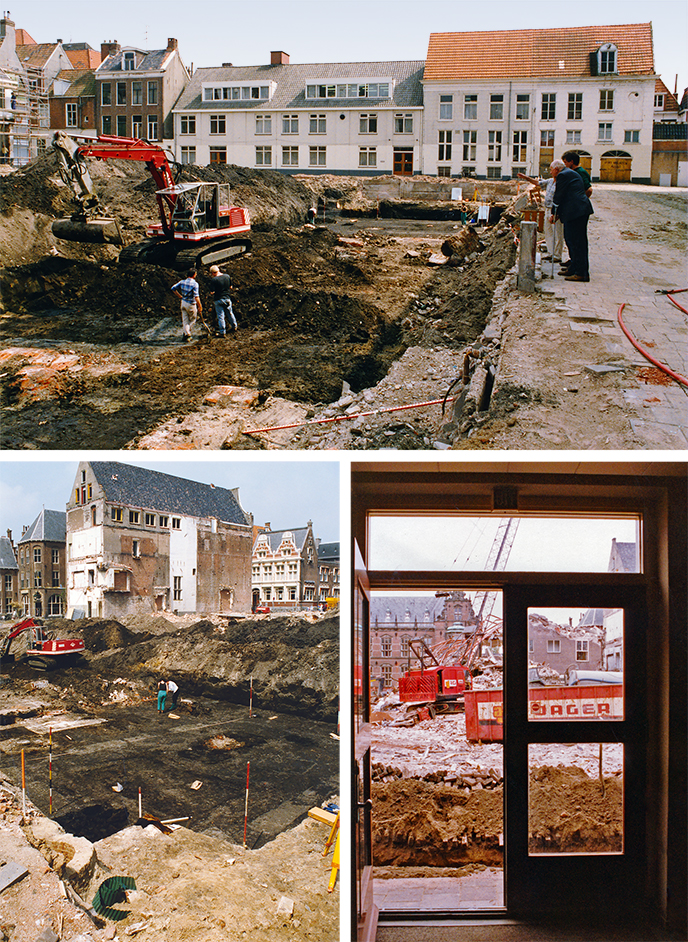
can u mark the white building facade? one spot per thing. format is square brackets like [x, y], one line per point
[329, 118]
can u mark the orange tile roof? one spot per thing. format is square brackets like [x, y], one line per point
[84, 58]
[22, 38]
[35, 55]
[527, 53]
[670, 100]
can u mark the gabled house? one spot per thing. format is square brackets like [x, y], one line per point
[143, 541]
[328, 571]
[9, 577]
[669, 139]
[42, 565]
[73, 102]
[502, 102]
[285, 568]
[41, 62]
[339, 117]
[136, 90]
[14, 113]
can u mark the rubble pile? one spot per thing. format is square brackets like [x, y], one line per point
[469, 778]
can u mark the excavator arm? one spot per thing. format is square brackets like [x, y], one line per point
[87, 224]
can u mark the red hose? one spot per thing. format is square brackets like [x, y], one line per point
[677, 291]
[665, 369]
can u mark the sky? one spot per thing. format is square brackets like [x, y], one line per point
[211, 32]
[285, 493]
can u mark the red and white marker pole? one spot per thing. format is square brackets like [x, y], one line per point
[50, 772]
[140, 814]
[250, 699]
[248, 768]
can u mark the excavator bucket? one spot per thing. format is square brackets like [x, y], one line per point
[95, 230]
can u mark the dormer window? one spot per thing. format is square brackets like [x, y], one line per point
[604, 61]
[129, 62]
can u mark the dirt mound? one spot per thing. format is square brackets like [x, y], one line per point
[106, 635]
[420, 823]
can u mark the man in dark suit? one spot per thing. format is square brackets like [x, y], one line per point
[573, 207]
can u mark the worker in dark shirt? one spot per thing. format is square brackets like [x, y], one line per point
[572, 206]
[223, 302]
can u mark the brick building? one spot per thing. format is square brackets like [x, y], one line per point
[9, 578]
[328, 571]
[143, 541]
[136, 90]
[42, 565]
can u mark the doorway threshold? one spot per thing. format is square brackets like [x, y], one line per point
[482, 891]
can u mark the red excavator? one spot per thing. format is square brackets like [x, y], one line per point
[198, 226]
[434, 687]
[43, 653]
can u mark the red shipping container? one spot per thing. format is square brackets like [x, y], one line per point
[484, 712]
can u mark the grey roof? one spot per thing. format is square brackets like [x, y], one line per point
[292, 80]
[49, 525]
[627, 554]
[141, 487]
[328, 552]
[7, 558]
[153, 60]
[275, 537]
[592, 618]
[403, 606]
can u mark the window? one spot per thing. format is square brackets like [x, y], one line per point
[129, 62]
[137, 93]
[604, 131]
[549, 106]
[470, 139]
[218, 124]
[520, 152]
[606, 99]
[367, 157]
[152, 93]
[575, 109]
[54, 605]
[631, 137]
[494, 173]
[218, 155]
[56, 578]
[188, 155]
[116, 514]
[36, 554]
[279, 593]
[554, 646]
[387, 675]
[187, 124]
[150, 520]
[137, 125]
[573, 137]
[37, 579]
[152, 127]
[317, 124]
[176, 523]
[446, 107]
[368, 124]
[607, 59]
[470, 107]
[405, 650]
[496, 107]
[71, 116]
[106, 93]
[163, 520]
[263, 124]
[386, 646]
[93, 516]
[106, 122]
[177, 588]
[56, 557]
[290, 124]
[121, 93]
[309, 593]
[547, 138]
[581, 650]
[317, 156]
[290, 156]
[350, 90]
[263, 156]
[659, 101]
[444, 171]
[8, 582]
[444, 150]
[121, 125]
[292, 593]
[522, 107]
[403, 124]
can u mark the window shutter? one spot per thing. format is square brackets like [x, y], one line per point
[593, 63]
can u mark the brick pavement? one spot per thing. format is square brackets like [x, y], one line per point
[630, 261]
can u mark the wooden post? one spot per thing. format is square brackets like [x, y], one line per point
[526, 257]
[50, 773]
[23, 768]
[248, 767]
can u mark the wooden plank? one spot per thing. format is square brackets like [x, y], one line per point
[11, 873]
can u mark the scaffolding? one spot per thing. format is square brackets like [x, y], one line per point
[24, 116]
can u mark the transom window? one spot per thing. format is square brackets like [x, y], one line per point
[263, 124]
[317, 124]
[368, 124]
[403, 124]
[496, 107]
[522, 107]
[470, 107]
[290, 156]
[446, 107]
[290, 124]
[188, 124]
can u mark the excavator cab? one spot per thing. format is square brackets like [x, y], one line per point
[197, 206]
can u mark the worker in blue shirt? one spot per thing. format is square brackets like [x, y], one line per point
[187, 291]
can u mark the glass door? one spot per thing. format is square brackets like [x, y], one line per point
[575, 746]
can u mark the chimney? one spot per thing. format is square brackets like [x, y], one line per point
[226, 65]
[7, 28]
[279, 58]
[172, 44]
[9, 535]
[108, 48]
[267, 525]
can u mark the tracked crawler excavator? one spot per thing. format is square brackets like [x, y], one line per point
[197, 227]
